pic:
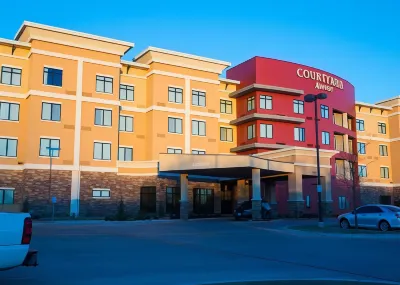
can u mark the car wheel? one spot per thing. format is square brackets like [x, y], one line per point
[344, 224]
[384, 226]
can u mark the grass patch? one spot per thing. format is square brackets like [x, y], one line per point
[335, 229]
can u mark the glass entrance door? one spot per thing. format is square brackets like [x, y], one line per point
[203, 201]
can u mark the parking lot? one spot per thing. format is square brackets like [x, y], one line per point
[201, 251]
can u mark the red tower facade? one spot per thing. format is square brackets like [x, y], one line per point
[271, 96]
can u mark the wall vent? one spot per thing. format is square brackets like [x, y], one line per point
[70, 127]
[87, 94]
[161, 135]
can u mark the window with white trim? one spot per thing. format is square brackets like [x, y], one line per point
[6, 196]
[46, 144]
[196, 151]
[226, 134]
[325, 138]
[8, 147]
[384, 172]
[300, 134]
[225, 106]
[362, 170]
[381, 128]
[361, 148]
[102, 117]
[342, 202]
[298, 106]
[324, 112]
[104, 84]
[250, 103]
[11, 76]
[52, 76]
[51, 111]
[125, 153]
[265, 102]
[101, 193]
[308, 201]
[198, 98]
[102, 151]
[175, 95]
[266, 131]
[174, 125]
[383, 150]
[126, 92]
[9, 111]
[198, 128]
[125, 123]
[174, 150]
[360, 125]
[251, 132]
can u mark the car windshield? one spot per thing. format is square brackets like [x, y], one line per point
[392, 208]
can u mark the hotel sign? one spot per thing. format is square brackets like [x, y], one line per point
[323, 81]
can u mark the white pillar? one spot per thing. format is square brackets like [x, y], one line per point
[256, 184]
[184, 202]
[75, 189]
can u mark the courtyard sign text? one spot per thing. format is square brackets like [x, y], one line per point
[324, 82]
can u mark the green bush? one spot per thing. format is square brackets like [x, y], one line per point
[121, 212]
[26, 206]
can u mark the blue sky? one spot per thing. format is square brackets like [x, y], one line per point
[354, 39]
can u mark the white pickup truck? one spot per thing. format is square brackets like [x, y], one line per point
[15, 238]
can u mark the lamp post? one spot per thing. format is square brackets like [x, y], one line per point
[51, 149]
[309, 98]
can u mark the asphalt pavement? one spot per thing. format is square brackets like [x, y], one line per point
[198, 252]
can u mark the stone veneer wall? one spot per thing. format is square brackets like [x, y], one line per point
[33, 185]
[370, 194]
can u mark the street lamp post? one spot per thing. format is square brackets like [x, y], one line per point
[314, 98]
[51, 149]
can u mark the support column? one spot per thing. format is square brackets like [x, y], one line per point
[256, 199]
[296, 201]
[326, 196]
[184, 202]
[346, 143]
[75, 189]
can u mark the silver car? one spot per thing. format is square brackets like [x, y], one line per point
[382, 217]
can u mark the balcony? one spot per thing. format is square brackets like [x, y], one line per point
[339, 142]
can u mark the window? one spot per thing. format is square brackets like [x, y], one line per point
[198, 98]
[104, 84]
[174, 150]
[51, 111]
[9, 111]
[300, 134]
[175, 95]
[148, 199]
[361, 148]
[265, 102]
[324, 111]
[175, 125]
[47, 144]
[198, 128]
[342, 202]
[266, 131]
[203, 201]
[384, 172]
[369, 210]
[383, 150]
[325, 138]
[101, 193]
[226, 106]
[6, 196]
[125, 153]
[173, 195]
[308, 202]
[125, 123]
[52, 76]
[382, 128]
[226, 134]
[362, 170]
[11, 76]
[102, 117]
[298, 106]
[251, 132]
[250, 103]
[126, 92]
[102, 151]
[196, 151]
[8, 147]
[359, 125]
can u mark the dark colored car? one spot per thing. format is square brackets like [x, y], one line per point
[244, 210]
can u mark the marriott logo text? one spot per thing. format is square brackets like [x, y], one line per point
[329, 81]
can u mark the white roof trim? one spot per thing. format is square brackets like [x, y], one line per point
[137, 64]
[373, 105]
[387, 100]
[182, 55]
[69, 32]
[17, 43]
[229, 81]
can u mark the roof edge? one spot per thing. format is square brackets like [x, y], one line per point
[373, 105]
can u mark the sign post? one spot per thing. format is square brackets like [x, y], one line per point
[53, 201]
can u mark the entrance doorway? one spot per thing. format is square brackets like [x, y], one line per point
[203, 201]
[172, 207]
[227, 190]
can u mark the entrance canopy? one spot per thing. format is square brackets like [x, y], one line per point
[221, 165]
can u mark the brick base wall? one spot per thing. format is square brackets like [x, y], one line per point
[371, 195]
